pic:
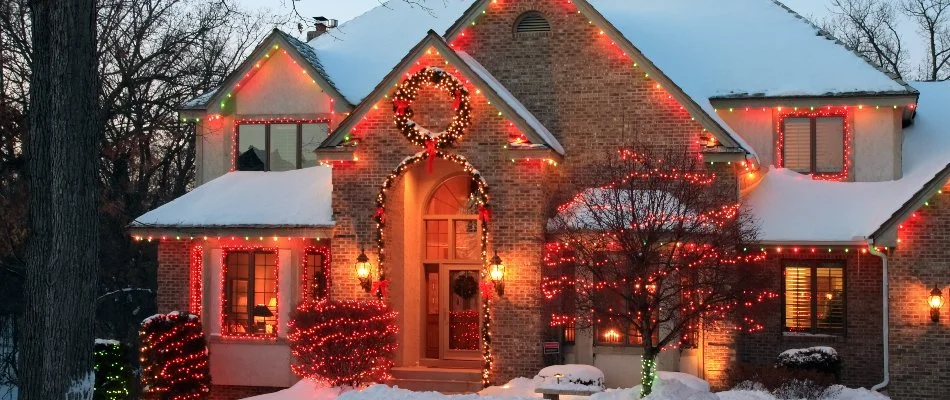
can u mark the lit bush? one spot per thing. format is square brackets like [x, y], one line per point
[174, 356]
[113, 370]
[343, 343]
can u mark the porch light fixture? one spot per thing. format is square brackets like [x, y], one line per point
[497, 274]
[364, 271]
[935, 301]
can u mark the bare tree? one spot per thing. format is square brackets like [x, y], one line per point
[61, 156]
[870, 28]
[654, 250]
[933, 21]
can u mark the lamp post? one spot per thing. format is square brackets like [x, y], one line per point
[497, 274]
[364, 271]
[936, 302]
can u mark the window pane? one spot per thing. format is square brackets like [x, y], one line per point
[283, 147]
[609, 333]
[452, 198]
[467, 242]
[265, 293]
[437, 240]
[236, 294]
[797, 299]
[830, 291]
[252, 148]
[797, 145]
[829, 146]
[311, 137]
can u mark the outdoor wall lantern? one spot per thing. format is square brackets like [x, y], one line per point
[364, 271]
[497, 274]
[936, 301]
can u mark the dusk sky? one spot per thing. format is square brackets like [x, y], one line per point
[344, 10]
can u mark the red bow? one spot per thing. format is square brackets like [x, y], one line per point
[431, 153]
[484, 213]
[487, 289]
[380, 288]
[380, 214]
[458, 99]
[401, 106]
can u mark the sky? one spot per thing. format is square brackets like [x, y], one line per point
[343, 10]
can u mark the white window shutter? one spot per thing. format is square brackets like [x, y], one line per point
[829, 146]
[797, 146]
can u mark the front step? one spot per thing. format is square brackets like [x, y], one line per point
[444, 380]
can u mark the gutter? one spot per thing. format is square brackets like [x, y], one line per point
[885, 317]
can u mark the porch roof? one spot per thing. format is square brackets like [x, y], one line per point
[292, 200]
[792, 207]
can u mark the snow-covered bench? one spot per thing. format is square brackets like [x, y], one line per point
[570, 380]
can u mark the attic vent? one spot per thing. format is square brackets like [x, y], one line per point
[532, 22]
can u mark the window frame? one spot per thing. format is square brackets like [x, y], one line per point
[814, 265]
[813, 117]
[308, 278]
[236, 137]
[226, 298]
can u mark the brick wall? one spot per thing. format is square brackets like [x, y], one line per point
[859, 347]
[586, 92]
[173, 275]
[918, 345]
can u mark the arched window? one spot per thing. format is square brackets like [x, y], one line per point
[532, 22]
[451, 222]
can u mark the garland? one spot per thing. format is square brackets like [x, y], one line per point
[408, 91]
[484, 214]
[465, 286]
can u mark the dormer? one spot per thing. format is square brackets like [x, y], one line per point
[836, 139]
[268, 115]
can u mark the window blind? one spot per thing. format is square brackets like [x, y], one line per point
[829, 144]
[797, 147]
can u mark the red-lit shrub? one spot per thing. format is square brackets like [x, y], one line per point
[343, 343]
[174, 357]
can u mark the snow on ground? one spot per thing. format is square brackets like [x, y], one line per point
[669, 386]
[300, 198]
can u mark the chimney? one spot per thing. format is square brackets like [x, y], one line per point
[323, 25]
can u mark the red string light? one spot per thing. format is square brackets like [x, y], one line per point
[196, 261]
[174, 357]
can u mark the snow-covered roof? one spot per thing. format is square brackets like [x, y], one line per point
[513, 102]
[361, 52]
[792, 207]
[292, 199]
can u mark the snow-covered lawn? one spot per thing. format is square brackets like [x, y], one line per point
[670, 386]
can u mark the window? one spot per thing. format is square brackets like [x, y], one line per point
[814, 297]
[616, 332]
[814, 145]
[249, 306]
[452, 231]
[278, 147]
[532, 22]
[316, 273]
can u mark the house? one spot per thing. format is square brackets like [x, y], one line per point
[302, 170]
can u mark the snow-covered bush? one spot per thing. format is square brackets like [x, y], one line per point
[174, 356]
[820, 359]
[343, 343]
[782, 382]
[113, 370]
[572, 377]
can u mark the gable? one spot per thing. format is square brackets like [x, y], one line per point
[433, 47]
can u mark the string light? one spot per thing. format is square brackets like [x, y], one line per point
[343, 343]
[408, 91]
[826, 112]
[113, 375]
[195, 277]
[174, 357]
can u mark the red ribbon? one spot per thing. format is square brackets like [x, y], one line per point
[484, 213]
[380, 288]
[487, 289]
[458, 99]
[401, 106]
[431, 153]
[380, 214]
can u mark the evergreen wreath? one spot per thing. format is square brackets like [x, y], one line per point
[408, 91]
[465, 286]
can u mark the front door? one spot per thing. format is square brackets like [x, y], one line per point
[453, 319]
[452, 265]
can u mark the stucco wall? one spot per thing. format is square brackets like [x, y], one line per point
[279, 88]
[877, 138]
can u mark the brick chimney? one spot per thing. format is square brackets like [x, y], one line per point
[322, 25]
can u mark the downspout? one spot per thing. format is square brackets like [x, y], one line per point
[884, 318]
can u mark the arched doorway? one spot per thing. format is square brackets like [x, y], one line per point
[452, 263]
